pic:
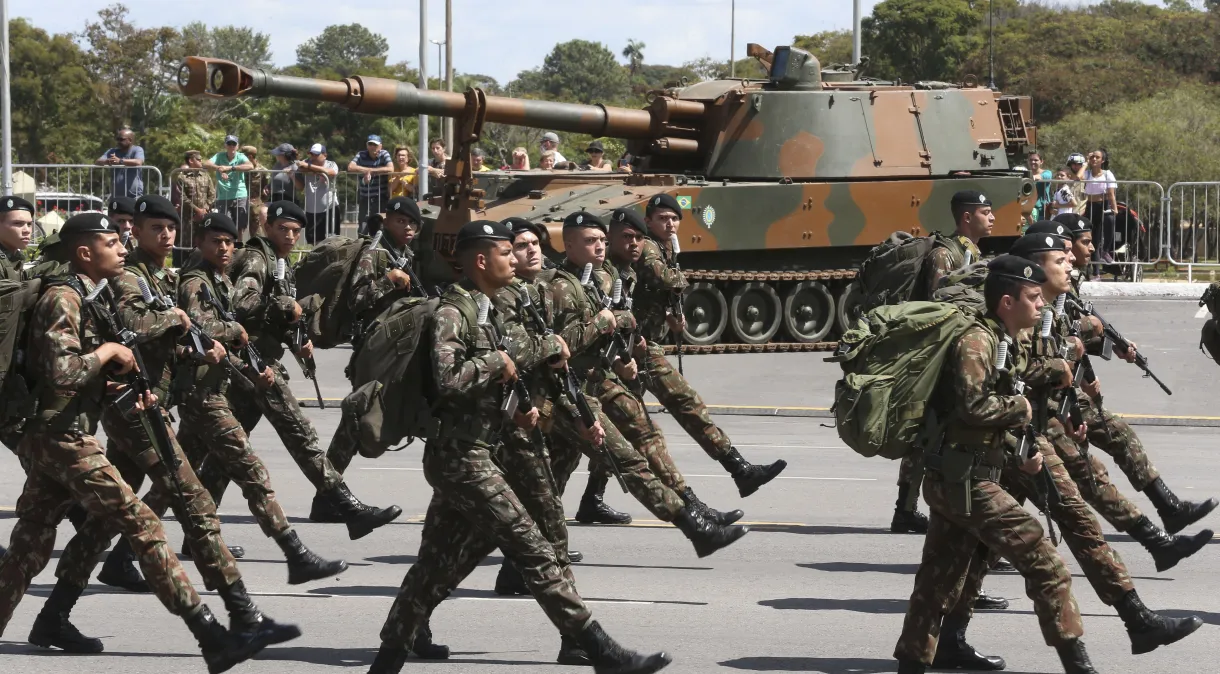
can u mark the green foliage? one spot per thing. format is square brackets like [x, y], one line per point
[133, 69]
[342, 49]
[708, 68]
[634, 53]
[578, 71]
[831, 47]
[53, 96]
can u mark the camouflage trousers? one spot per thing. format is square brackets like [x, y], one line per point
[1002, 524]
[527, 469]
[473, 511]
[344, 445]
[1115, 437]
[910, 473]
[628, 414]
[196, 512]
[282, 409]
[682, 402]
[55, 481]
[568, 446]
[217, 445]
[1093, 480]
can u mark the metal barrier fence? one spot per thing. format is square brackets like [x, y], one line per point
[59, 190]
[1192, 234]
[1128, 238]
[332, 204]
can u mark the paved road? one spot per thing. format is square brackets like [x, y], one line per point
[818, 586]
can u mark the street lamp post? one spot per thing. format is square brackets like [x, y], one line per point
[440, 62]
[422, 185]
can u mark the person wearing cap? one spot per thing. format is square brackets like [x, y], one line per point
[281, 186]
[194, 194]
[966, 508]
[657, 303]
[474, 508]
[374, 166]
[69, 355]
[127, 182]
[315, 178]
[131, 451]
[550, 143]
[597, 158]
[1080, 231]
[16, 227]
[232, 197]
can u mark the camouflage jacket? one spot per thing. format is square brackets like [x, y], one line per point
[467, 366]
[658, 283]
[372, 290]
[575, 319]
[949, 257]
[210, 318]
[262, 304]
[12, 265]
[196, 190]
[157, 331]
[62, 362]
[1089, 332]
[544, 383]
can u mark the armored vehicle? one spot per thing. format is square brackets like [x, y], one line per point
[785, 183]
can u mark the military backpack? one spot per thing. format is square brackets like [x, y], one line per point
[1209, 339]
[964, 289]
[892, 361]
[326, 271]
[894, 271]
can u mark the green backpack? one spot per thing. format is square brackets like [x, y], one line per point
[1209, 339]
[893, 272]
[891, 363]
[964, 289]
[326, 271]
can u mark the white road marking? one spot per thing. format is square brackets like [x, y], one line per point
[726, 477]
[1202, 312]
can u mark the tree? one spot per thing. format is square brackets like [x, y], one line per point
[922, 39]
[133, 68]
[232, 43]
[831, 47]
[708, 68]
[342, 49]
[579, 71]
[634, 53]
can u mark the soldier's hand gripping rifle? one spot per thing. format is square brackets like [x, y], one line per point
[248, 354]
[1113, 338]
[676, 309]
[571, 386]
[298, 334]
[1027, 446]
[1069, 408]
[621, 341]
[403, 265]
[138, 390]
[518, 398]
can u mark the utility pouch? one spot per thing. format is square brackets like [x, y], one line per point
[956, 469]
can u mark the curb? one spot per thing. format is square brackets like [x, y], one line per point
[1103, 290]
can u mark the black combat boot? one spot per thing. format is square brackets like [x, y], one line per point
[986, 602]
[907, 521]
[509, 582]
[52, 627]
[571, 653]
[303, 564]
[1075, 658]
[119, 569]
[706, 536]
[222, 650]
[911, 667]
[389, 660]
[1149, 630]
[610, 658]
[1176, 513]
[1167, 550]
[249, 624]
[954, 653]
[236, 550]
[323, 510]
[424, 649]
[593, 508]
[361, 519]
[748, 476]
[1002, 565]
[574, 556]
[713, 515]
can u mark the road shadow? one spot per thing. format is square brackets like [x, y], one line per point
[818, 529]
[823, 665]
[468, 593]
[875, 606]
[23, 648]
[862, 567]
[363, 657]
[411, 559]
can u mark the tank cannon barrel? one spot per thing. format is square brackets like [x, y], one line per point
[217, 78]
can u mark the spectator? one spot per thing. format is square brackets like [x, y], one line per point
[624, 163]
[127, 182]
[1100, 188]
[478, 160]
[550, 143]
[193, 194]
[521, 159]
[231, 194]
[281, 186]
[597, 158]
[257, 185]
[436, 165]
[1042, 185]
[315, 178]
[374, 166]
[546, 162]
[404, 180]
[1065, 200]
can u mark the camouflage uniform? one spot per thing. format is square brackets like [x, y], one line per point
[15, 282]
[66, 462]
[209, 428]
[195, 190]
[473, 508]
[978, 509]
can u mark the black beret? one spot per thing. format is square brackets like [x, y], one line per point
[970, 198]
[10, 204]
[285, 210]
[91, 222]
[1047, 227]
[480, 230]
[584, 220]
[1032, 244]
[404, 206]
[1015, 268]
[156, 206]
[220, 223]
[1075, 224]
[630, 218]
[663, 200]
[121, 206]
[519, 225]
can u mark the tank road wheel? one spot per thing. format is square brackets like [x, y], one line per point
[848, 306]
[809, 311]
[707, 314]
[756, 313]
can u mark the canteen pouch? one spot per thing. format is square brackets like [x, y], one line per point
[956, 467]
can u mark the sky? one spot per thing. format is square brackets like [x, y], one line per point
[491, 37]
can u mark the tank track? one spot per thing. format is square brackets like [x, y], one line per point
[769, 276]
[769, 347]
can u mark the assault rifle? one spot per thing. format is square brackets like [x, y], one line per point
[196, 341]
[402, 264]
[1113, 338]
[621, 341]
[298, 335]
[248, 354]
[1027, 446]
